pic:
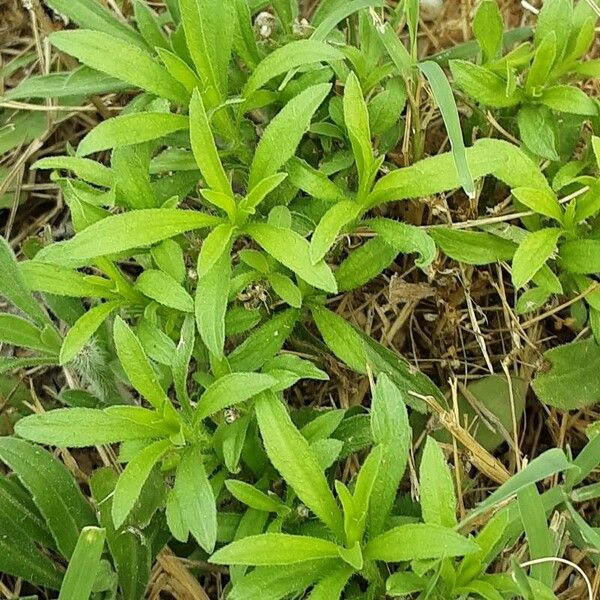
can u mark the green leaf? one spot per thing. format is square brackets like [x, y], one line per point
[80, 427]
[274, 549]
[195, 499]
[149, 26]
[286, 289]
[537, 129]
[133, 128]
[332, 586]
[123, 60]
[287, 57]
[88, 14]
[418, 541]
[204, 148]
[14, 288]
[84, 168]
[211, 302]
[250, 496]
[395, 48]
[131, 481]
[573, 380]
[260, 191]
[539, 538]
[483, 85]
[330, 225]
[580, 256]
[84, 565]
[442, 93]
[131, 548]
[180, 70]
[541, 66]
[356, 118]
[164, 289]
[532, 254]
[545, 465]
[293, 251]
[488, 28]
[19, 332]
[291, 455]
[542, 202]
[405, 238]
[215, 244]
[283, 134]
[555, 17]
[52, 488]
[135, 363]
[263, 343]
[472, 247]
[83, 329]
[229, 390]
[569, 99]
[168, 257]
[391, 431]
[438, 501]
[120, 233]
[403, 583]
[315, 183]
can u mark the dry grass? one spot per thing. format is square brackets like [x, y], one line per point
[456, 324]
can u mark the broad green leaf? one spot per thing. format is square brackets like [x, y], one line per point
[122, 60]
[84, 168]
[80, 427]
[363, 492]
[229, 390]
[52, 488]
[403, 583]
[405, 238]
[581, 256]
[545, 465]
[483, 85]
[438, 500]
[260, 191]
[168, 257]
[84, 328]
[286, 289]
[542, 202]
[293, 251]
[332, 586]
[179, 70]
[274, 549]
[196, 499]
[211, 299]
[84, 565]
[132, 479]
[135, 363]
[252, 497]
[244, 39]
[204, 148]
[391, 431]
[19, 332]
[537, 129]
[13, 285]
[532, 254]
[164, 289]
[541, 66]
[214, 245]
[82, 81]
[291, 455]
[287, 57]
[283, 134]
[275, 583]
[126, 231]
[472, 247]
[444, 98]
[329, 227]
[437, 174]
[133, 128]
[315, 183]
[131, 548]
[488, 28]
[418, 541]
[573, 380]
[149, 26]
[356, 119]
[263, 343]
[569, 99]
[555, 17]
[88, 14]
